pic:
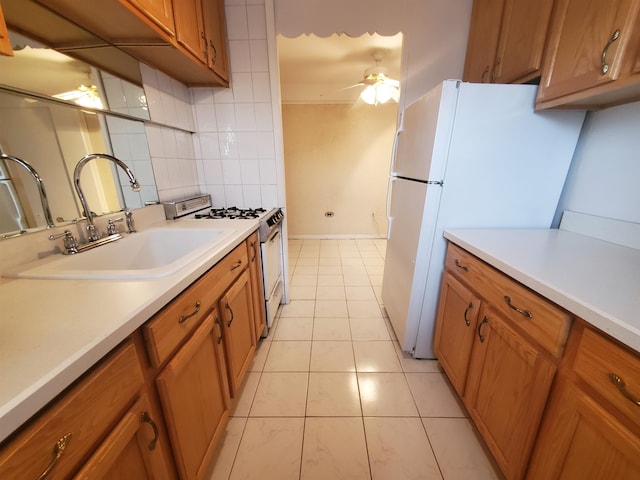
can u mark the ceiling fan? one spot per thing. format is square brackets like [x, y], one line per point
[379, 87]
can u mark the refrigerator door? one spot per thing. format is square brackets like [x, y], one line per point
[414, 207]
[423, 137]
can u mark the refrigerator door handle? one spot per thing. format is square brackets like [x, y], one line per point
[394, 151]
[388, 206]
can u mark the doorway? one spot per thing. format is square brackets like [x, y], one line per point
[337, 148]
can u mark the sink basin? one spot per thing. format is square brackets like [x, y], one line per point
[153, 253]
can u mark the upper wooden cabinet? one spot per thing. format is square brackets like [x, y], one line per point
[170, 36]
[593, 54]
[160, 11]
[5, 42]
[506, 40]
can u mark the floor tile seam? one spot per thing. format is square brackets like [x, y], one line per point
[433, 451]
[237, 450]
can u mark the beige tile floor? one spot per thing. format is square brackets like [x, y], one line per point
[331, 396]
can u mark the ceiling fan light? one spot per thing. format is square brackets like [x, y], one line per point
[368, 95]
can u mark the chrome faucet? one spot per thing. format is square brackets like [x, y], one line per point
[39, 184]
[135, 186]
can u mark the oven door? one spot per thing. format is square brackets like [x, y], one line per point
[272, 272]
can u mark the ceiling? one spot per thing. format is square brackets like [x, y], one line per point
[320, 70]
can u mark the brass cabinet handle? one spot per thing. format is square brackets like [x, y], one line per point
[184, 318]
[226, 305]
[619, 383]
[493, 72]
[215, 52]
[466, 320]
[147, 419]
[253, 246]
[219, 325]
[605, 65]
[526, 313]
[463, 267]
[484, 320]
[236, 265]
[58, 449]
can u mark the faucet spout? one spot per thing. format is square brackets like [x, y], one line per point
[39, 183]
[135, 186]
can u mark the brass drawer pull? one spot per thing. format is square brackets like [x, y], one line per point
[466, 320]
[605, 65]
[526, 313]
[184, 318]
[236, 265]
[58, 449]
[619, 383]
[463, 267]
[480, 336]
[253, 247]
[147, 419]
[231, 312]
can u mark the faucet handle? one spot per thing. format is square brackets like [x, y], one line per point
[70, 242]
[111, 226]
[131, 224]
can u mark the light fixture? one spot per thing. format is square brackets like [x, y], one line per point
[380, 88]
[84, 95]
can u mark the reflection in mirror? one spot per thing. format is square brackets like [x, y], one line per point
[68, 79]
[52, 137]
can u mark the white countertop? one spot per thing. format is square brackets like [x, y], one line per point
[52, 331]
[596, 280]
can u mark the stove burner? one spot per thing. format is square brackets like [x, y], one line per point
[232, 212]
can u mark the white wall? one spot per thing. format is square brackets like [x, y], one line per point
[605, 172]
[337, 160]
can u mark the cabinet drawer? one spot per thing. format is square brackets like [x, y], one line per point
[166, 331]
[83, 415]
[546, 323]
[597, 359]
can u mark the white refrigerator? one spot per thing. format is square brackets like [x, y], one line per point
[465, 156]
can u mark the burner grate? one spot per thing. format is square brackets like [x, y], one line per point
[233, 212]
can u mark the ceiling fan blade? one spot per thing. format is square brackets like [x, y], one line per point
[360, 84]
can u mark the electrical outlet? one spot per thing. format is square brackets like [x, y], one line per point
[329, 214]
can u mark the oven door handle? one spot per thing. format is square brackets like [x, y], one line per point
[274, 235]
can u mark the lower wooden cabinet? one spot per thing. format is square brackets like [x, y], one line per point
[236, 308]
[552, 397]
[581, 439]
[195, 399]
[455, 330]
[257, 288]
[130, 451]
[507, 388]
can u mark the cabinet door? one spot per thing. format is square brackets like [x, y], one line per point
[507, 388]
[581, 439]
[582, 41]
[195, 400]
[257, 290]
[129, 451]
[239, 336]
[159, 11]
[216, 37]
[189, 27]
[522, 40]
[484, 33]
[5, 42]
[455, 329]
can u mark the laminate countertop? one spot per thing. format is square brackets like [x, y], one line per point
[52, 331]
[595, 280]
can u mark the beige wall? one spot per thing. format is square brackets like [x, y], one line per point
[337, 159]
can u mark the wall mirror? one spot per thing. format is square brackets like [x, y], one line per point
[53, 111]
